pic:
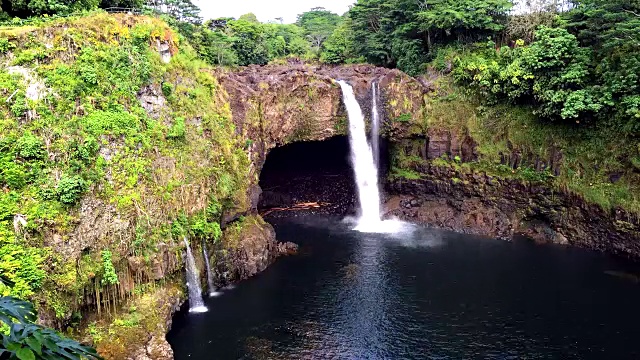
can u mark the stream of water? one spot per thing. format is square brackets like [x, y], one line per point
[375, 125]
[365, 171]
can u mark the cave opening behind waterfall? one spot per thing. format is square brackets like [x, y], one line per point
[308, 177]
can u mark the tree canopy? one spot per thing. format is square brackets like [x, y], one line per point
[318, 25]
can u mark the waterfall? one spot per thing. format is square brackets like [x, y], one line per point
[210, 287]
[375, 125]
[365, 170]
[196, 304]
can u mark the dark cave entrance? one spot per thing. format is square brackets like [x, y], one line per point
[301, 176]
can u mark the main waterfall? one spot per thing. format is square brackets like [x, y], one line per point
[365, 169]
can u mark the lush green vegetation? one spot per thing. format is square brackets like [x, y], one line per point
[246, 41]
[83, 142]
[24, 340]
[577, 64]
[183, 10]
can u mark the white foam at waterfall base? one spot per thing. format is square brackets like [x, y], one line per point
[196, 304]
[365, 170]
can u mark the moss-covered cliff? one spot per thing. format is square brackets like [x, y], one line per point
[115, 142]
[499, 171]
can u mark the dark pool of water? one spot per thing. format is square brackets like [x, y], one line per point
[429, 295]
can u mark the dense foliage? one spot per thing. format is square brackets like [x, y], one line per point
[318, 25]
[25, 340]
[405, 34]
[246, 41]
[183, 10]
[585, 68]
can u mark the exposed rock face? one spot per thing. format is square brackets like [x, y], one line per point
[480, 204]
[153, 101]
[253, 248]
[36, 88]
[275, 105]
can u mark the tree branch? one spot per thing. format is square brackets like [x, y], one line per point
[631, 12]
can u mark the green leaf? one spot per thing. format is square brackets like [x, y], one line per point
[51, 345]
[34, 344]
[25, 354]
[13, 308]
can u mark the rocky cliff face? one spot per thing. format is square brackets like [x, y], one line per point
[276, 105]
[279, 104]
[476, 203]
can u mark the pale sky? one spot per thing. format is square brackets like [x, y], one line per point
[267, 10]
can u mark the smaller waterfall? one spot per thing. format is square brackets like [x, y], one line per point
[196, 304]
[375, 125]
[210, 287]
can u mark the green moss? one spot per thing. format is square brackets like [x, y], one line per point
[406, 117]
[404, 174]
[342, 125]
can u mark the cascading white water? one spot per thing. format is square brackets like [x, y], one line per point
[211, 288]
[375, 125]
[196, 304]
[365, 170]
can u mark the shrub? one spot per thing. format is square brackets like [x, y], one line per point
[70, 188]
[109, 277]
[6, 46]
[110, 122]
[178, 130]
[30, 147]
[167, 89]
[13, 176]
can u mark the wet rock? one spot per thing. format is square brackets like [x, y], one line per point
[439, 145]
[287, 248]
[247, 249]
[561, 239]
[503, 208]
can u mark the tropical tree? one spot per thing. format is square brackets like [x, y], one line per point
[339, 47]
[318, 25]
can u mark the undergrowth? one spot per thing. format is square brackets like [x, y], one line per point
[86, 141]
[596, 162]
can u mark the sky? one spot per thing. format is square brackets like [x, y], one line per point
[267, 10]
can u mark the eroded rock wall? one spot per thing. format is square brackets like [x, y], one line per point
[276, 105]
[476, 203]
